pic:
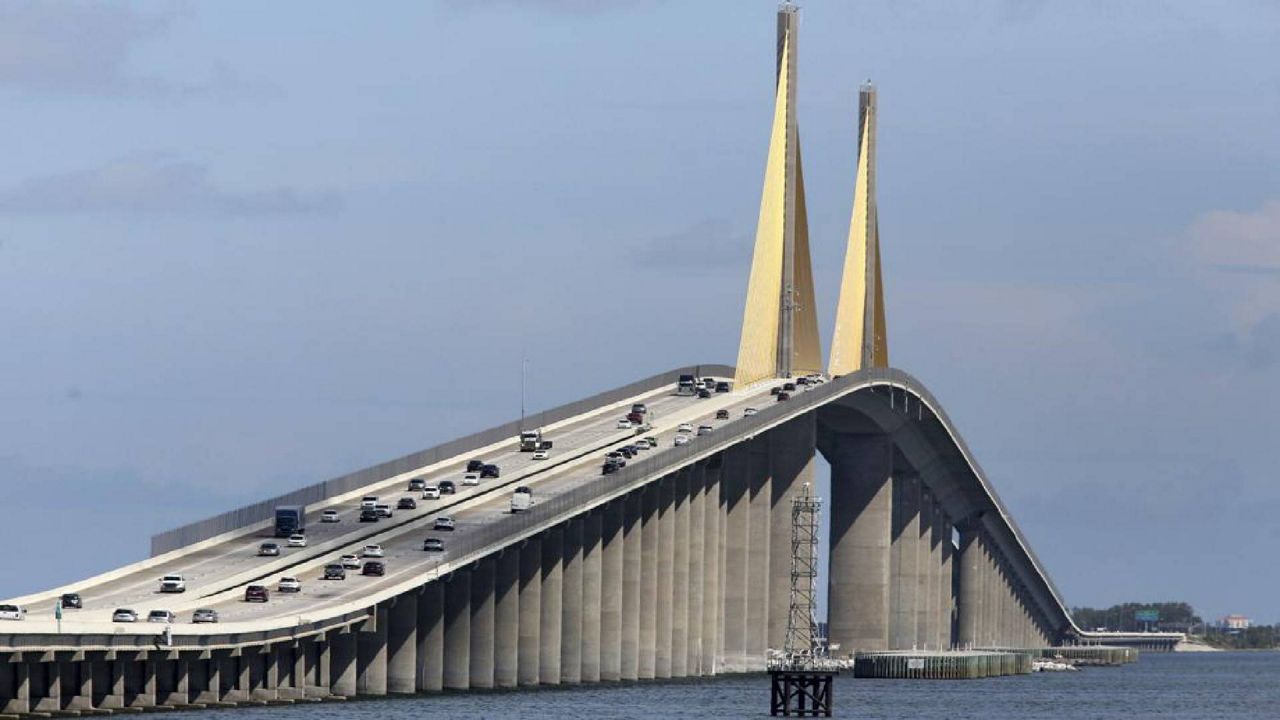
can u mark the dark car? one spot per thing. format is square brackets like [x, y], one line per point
[789, 387]
[610, 467]
[204, 615]
[722, 386]
[373, 567]
[626, 452]
[433, 545]
[784, 396]
[489, 471]
[335, 572]
[704, 393]
[722, 414]
[416, 484]
[775, 391]
[71, 600]
[407, 504]
[257, 593]
[475, 465]
[448, 487]
[368, 515]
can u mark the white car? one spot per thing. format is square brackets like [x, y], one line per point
[681, 440]
[372, 551]
[329, 516]
[541, 455]
[173, 584]
[289, 585]
[685, 428]
[431, 492]
[471, 479]
[443, 523]
[297, 540]
[12, 612]
[624, 424]
[748, 412]
[368, 502]
[350, 562]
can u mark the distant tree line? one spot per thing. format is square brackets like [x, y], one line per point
[1174, 617]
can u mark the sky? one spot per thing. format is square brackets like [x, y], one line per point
[245, 247]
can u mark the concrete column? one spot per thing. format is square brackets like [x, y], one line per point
[680, 574]
[648, 581]
[611, 573]
[904, 558]
[402, 644]
[48, 677]
[946, 577]
[632, 581]
[735, 491]
[481, 650]
[530, 650]
[971, 609]
[712, 595]
[457, 630]
[991, 595]
[371, 655]
[926, 575]
[342, 663]
[791, 454]
[592, 526]
[758, 567]
[861, 514]
[431, 637]
[693, 618]
[666, 563]
[552, 588]
[15, 688]
[100, 672]
[571, 604]
[506, 619]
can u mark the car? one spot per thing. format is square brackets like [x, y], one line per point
[685, 428]
[541, 455]
[71, 601]
[161, 616]
[722, 414]
[372, 551]
[447, 487]
[257, 593]
[722, 386]
[433, 544]
[383, 510]
[635, 418]
[709, 383]
[802, 381]
[406, 503]
[643, 428]
[624, 424]
[204, 615]
[329, 516]
[626, 452]
[471, 479]
[374, 567]
[123, 615]
[443, 523]
[610, 467]
[368, 515]
[335, 571]
[775, 390]
[616, 457]
[788, 387]
[14, 612]
[289, 585]
[748, 412]
[431, 492]
[368, 501]
[350, 562]
[268, 549]
[297, 540]
[784, 396]
[681, 440]
[704, 393]
[637, 447]
[474, 465]
[640, 408]
[651, 440]
[490, 471]
[705, 430]
[416, 484]
[173, 584]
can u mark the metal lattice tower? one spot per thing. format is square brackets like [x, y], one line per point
[802, 645]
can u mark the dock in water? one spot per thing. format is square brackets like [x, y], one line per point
[981, 662]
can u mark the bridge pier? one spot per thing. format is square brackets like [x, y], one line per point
[506, 618]
[904, 568]
[666, 561]
[927, 574]
[430, 657]
[571, 603]
[371, 655]
[592, 569]
[696, 513]
[402, 644]
[632, 579]
[529, 652]
[861, 527]
[760, 489]
[612, 571]
[792, 451]
[679, 664]
[550, 605]
[735, 494]
[648, 582]
[712, 575]
[480, 630]
[457, 630]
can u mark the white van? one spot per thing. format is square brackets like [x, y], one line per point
[521, 499]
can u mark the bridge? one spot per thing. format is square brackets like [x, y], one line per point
[674, 565]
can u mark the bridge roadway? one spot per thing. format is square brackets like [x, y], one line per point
[217, 575]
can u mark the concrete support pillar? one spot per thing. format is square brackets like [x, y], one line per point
[552, 587]
[735, 490]
[506, 619]
[481, 648]
[592, 562]
[632, 581]
[926, 575]
[991, 601]
[371, 655]
[457, 630]
[15, 688]
[571, 604]
[969, 599]
[694, 599]
[946, 580]
[530, 650]
[648, 581]
[791, 454]
[612, 543]
[758, 567]
[431, 637]
[680, 574]
[666, 563]
[904, 558]
[861, 515]
[342, 663]
[402, 644]
[712, 595]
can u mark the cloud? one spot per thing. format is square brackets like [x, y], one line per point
[706, 246]
[152, 184]
[1242, 242]
[559, 7]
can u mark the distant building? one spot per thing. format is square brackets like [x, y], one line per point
[1235, 622]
